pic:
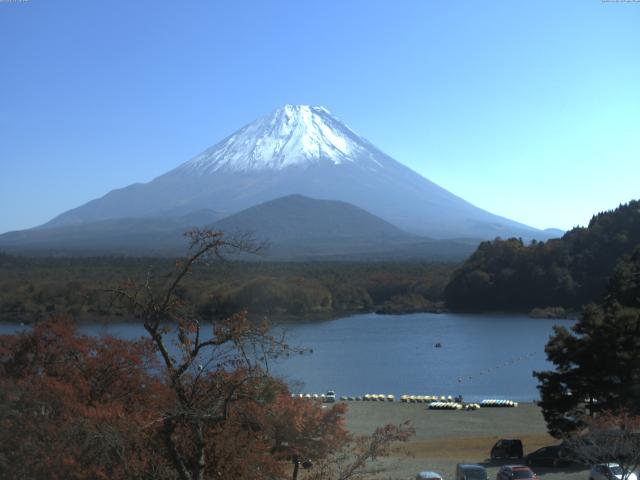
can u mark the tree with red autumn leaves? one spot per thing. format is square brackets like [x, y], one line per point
[193, 401]
[80, 407]
[73, 406]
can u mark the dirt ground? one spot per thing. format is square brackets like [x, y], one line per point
[444, 438]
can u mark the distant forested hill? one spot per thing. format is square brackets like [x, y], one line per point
[567, 272]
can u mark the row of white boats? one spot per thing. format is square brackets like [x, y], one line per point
[442, 402]
[498, 403]
[453, 406]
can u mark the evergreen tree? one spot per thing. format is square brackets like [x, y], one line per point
[597, 368]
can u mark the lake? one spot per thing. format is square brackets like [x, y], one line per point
[481, 356]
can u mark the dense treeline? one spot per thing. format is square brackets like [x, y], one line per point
[33, 288]
[597, 360]
[568, 272]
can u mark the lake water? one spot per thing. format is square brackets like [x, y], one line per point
[482, 356]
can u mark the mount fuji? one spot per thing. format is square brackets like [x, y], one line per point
[295, 150]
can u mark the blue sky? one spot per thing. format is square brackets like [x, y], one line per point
[530, 110]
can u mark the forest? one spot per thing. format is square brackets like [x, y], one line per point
[501, 275]
[31, 289]
[508, 275]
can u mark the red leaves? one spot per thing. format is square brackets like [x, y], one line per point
[305, 428]
[82, 407]
[74, 405]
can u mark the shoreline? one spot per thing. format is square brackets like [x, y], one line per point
[86, 319]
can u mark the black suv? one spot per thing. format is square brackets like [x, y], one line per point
[507, 449]
[553, 456]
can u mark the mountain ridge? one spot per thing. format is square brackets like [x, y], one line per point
[293, 228]
[301, 150]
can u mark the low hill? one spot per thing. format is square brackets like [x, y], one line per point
[296, 218]
[296, 227]
[568, 272]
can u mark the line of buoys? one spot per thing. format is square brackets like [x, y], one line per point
[494, 403]
[495, 368]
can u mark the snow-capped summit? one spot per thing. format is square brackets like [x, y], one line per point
[294, 135]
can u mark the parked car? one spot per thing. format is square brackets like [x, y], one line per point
[553, 456]
[609, 471]
[428, 475]
[512, 472]
[507, 449]
[466, 471]
[330, 396]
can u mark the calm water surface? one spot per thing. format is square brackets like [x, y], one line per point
[482, 356]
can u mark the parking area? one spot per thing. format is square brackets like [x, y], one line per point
[444, 438]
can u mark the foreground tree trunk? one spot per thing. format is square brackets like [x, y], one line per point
[200, 369]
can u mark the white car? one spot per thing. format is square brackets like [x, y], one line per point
[427, 475]
[609, 471]
[330, 396]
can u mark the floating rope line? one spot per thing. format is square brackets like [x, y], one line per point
[495, 368]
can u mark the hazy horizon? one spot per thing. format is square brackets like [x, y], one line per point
[529, 111]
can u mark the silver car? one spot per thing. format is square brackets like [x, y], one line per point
[609, 471]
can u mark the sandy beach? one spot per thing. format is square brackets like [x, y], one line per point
[444, 438]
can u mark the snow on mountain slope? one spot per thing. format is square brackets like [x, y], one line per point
[301, 150]
[294, 135]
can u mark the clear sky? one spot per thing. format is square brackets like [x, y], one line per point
[530, 110]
